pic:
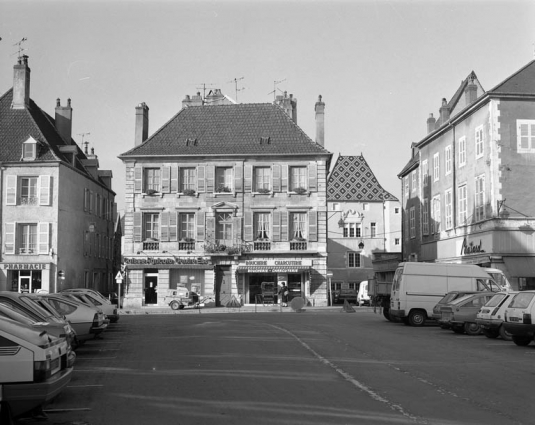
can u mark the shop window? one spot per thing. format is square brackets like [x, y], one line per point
[262, 179]
[223, 179]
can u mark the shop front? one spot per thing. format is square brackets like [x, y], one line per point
[257, 279]
[25, 277]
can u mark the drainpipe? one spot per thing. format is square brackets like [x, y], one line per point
[454, 178]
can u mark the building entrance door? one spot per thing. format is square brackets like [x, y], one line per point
[25, 281]
[151, 288]
[223, 286]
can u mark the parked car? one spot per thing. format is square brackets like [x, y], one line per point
[97, 299]
[461, 313]
[449, 297]
[491, 315]
[24, 303]
[346, 294]
[34, 368]
[518, 318]
[362, 297]
[86, 321]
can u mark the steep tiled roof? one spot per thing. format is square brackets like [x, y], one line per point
[17, 125]
[521, 82]
[353, 180]
[242, 129]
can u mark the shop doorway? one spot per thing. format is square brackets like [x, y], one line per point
[223, 286]
[255, 286]
[294, 286]
[151, 288]
[26, 281]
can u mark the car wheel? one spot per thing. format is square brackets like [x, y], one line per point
[491, 333]
[506, 336]
[417, 317]
[386, 314]
[175, 305]
[5, 414]
[458, 329]
[472, 328]
[521, 341]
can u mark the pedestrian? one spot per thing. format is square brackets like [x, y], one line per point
[283, 293]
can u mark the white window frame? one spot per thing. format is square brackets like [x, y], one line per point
[448, 207]
[352, 230]
[436, 167]
[462, 151]
[479, 142]
[262, 179]
[425, 217]
[529, 136]
[479, 212]
[447, 159]
[462, 203]
[224, 177]
[436, 214]
[298, 178]
[262, 225]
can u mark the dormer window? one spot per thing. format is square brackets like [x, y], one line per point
[29, 149]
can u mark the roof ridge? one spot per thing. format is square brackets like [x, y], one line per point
[514, 74]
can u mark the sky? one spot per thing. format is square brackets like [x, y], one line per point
[380, 66]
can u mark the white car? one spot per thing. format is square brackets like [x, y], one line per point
[491, 315]
[519, 318]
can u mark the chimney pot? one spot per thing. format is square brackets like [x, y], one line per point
[431, 121]
[58, 102]
[444, 111]
[320, 121]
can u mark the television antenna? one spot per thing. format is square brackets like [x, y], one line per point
[235, 81]
[19, 47]
[275, 88]
[86, 143]
[204, 89]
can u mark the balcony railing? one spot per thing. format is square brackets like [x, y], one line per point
[298, 246]
[227, 246]
[262, 246]
[186, 246]
[151, 246]
[27, 251]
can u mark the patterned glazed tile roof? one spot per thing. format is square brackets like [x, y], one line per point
[17, 125]
[242, 129]
[353, 180]
[521, 82]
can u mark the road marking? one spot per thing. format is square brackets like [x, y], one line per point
[350, 379]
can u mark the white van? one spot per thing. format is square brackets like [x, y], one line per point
[362, 296]
[418, 287]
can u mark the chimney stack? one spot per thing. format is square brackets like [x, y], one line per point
[64, 120]
[21, 84]
[288, 104]
[431, 121]
[470, 92]
[320, 122]
[192, 101]
[142, 123]
[444, 112]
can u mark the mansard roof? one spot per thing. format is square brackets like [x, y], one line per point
[353, 180]
[224, 130]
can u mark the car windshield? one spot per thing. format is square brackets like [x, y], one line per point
[450, 297]
[461, 299]
[495, 300]
[33, 304]
[522, 300]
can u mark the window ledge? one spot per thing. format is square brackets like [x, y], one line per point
[160, 194]
[270, 194]
[307, 193]
[180, 194]
[231, 194]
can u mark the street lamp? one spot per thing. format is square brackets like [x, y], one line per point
[361, 245]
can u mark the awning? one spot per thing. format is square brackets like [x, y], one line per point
[520, 266]
[272, 269]
[170, 266]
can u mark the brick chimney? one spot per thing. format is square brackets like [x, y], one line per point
[431, 121]
[444, 112]
[142, 123]
[288, 104]
[21, 84]
[64, 120]
[320, 121]
[470, 92]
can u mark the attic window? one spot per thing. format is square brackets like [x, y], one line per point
[265, 140]
[29, 149]
[191, 142]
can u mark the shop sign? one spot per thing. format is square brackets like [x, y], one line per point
[471, 248]
[24, 266]
[167, 260]
[275, 263]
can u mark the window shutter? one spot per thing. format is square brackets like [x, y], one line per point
[44, 190]
[284, 179]
[137, 226]
[313, 226]
[166, 179]
[248, 226]
[210, 228]
[313, 177]
[174, 179]
[248, 178]
[276, 226]
[9, 238]
[164, 237]
[284, 226]
[236, 228]
[172, 226]
[210, 178]
[238, 177]
[276, 183]
[138, 177]
[201, 179]
[44, 236]
[201, 226]
[11, 190]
